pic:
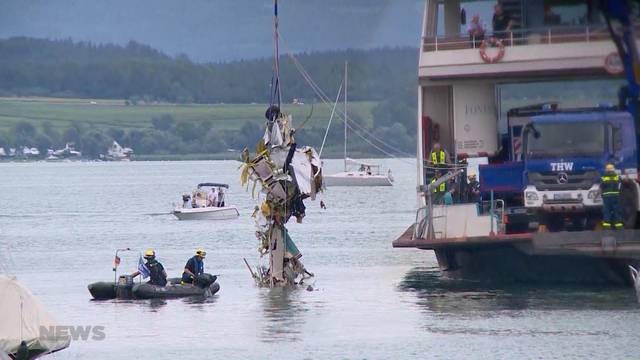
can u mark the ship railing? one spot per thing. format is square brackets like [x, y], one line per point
[424, 216]
[520, 37]
[496, 209]
[426, 219]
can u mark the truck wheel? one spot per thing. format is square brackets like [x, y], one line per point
[629, 204]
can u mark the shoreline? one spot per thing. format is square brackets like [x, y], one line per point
[188, 157]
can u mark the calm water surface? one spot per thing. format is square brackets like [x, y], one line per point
[60, 224]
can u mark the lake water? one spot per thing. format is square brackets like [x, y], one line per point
[61, 223]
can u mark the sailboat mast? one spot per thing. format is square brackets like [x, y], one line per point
[346, 69]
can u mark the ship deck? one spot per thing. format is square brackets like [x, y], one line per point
[623, 244]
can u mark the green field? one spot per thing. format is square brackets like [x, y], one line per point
[114, 113]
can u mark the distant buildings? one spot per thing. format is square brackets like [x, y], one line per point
[114, 153]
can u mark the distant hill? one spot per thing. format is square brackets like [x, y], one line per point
[64, 68]
[134, 90]
[219, 30]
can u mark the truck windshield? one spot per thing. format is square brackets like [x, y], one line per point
[581, 139]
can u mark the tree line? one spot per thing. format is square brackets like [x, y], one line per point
[64, 68]
[139, 73]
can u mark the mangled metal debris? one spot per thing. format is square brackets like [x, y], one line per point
[287, 175]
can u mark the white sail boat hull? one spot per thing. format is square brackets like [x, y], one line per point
[357, 178]
[207, 213]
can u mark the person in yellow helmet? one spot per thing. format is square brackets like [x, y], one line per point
[194, 267]
[157, 274]
[610, 186]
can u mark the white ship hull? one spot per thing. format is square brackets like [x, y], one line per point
[357, 178]
[207, 213]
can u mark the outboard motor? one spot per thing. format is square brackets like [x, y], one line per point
[124, 287]
[204, 280]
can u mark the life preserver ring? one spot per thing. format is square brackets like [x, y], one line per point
[483, 50]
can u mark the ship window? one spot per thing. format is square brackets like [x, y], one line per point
[565, 12]
[482, 8]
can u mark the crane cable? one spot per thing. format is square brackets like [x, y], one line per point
[333, 112]
[325, 99]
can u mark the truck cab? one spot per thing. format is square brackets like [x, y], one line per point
[564, 154]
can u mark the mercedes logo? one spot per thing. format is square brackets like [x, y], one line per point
[563, 178]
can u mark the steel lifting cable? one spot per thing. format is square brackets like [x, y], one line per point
[319, 92]
[333, 112]
[356, 131]
[325, 100]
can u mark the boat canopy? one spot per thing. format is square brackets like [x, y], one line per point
[23, 318]
[351, 161]
[226, 186]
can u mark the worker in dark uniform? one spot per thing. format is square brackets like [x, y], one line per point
[473, 189]
[439, 191]
[194, 267]
[610, 185]
[157, 274]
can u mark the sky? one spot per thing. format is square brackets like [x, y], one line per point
[218, 30]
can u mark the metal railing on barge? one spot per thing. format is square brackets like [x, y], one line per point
[425, 219]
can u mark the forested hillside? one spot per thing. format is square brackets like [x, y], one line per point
[146, 82]
[36, 67]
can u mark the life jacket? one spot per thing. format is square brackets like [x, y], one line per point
[438, 157]
[610, 184]
[440, 188]
[156, 274]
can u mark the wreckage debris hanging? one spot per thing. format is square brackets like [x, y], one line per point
[287, 174]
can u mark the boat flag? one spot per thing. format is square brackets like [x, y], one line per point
[116, 262]
[142, 268]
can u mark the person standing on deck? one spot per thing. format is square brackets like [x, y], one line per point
[501, 22]
[220, 197]
[438, 192]
[476, 30]
[212, 197]
[473, 189]
[438, 157]
[610, 186]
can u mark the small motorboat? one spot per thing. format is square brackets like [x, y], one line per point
[127, 289]
[124, 288]
[206, 286]
[207, 202]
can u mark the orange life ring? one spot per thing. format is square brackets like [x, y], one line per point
[483, 50]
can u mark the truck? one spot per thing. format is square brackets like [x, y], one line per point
[555, 159]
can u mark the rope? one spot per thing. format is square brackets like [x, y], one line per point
[333, 111]
[307, 119]
[325, 99]
[322, 96]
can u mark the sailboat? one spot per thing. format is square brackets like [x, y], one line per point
[357, 173]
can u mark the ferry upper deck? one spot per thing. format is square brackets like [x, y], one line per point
[546, 38]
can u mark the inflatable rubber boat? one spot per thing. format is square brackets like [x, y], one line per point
[172, 291]
[125, 289]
